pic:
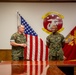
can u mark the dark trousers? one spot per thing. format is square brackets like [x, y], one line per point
[21, 58]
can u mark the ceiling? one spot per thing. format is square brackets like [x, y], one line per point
[37, 0]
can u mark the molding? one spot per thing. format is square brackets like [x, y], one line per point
[4, 49]
[47, 1]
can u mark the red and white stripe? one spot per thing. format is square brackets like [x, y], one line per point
[36, 50]
[36, 68]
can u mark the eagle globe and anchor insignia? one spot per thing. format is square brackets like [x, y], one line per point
[52, 18]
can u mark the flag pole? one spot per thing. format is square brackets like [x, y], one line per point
[17, 17]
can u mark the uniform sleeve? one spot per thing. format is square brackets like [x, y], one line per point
[12, 39]
[63, 41]
[47, 41]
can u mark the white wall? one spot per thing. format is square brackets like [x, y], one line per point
[33, 12]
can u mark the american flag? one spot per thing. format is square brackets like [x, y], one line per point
[36, 50]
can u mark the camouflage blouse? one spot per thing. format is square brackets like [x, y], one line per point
[55, 43]
[18, 38]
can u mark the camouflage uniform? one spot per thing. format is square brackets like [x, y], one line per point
[55, 43]
[18, 51]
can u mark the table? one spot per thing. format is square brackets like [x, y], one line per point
[37, 67]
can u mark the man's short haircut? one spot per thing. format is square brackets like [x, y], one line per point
[19, 26]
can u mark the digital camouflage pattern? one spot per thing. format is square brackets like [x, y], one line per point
[18, 51]
[55, 44]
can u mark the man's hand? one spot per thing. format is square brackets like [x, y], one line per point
[23, 45]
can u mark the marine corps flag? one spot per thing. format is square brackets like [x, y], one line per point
[70, 47]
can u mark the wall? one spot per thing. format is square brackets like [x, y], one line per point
[33, 12]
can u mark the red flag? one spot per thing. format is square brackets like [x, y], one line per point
[70, 48]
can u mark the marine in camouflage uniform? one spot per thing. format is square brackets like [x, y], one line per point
[18, 51]
[55, 43]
